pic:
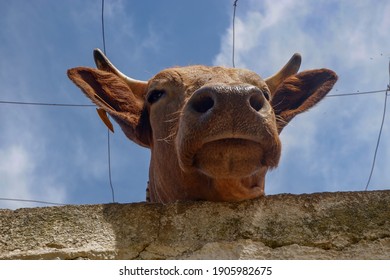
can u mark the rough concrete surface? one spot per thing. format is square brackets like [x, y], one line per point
[343, 225]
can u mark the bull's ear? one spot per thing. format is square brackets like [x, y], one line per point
[300, 92]
[113, 95]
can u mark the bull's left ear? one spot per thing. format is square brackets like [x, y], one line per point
[112, 94]
[300, 92]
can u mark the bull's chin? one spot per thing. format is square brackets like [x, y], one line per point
[229, 158]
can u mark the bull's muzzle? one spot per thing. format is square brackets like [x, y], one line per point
[228, 130]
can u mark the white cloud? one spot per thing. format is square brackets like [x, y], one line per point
[330, 147]
[17, 163]
[20, 178]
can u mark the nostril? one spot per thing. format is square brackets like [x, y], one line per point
[256, 101]
[203, 103]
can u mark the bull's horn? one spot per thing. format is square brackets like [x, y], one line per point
[291, 68]
[103, 63]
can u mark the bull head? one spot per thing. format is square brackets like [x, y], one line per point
[213, 131]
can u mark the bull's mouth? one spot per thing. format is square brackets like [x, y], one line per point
[229, 157]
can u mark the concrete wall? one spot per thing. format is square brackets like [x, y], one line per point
[349, 225]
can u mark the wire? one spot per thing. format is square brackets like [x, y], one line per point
[31, 200]
[380, 134]
[92, 105]
[108, 131]
[234, 31]
[46, 104]
[355, 93]
[109, 165]
[377, 142]
[103, 33]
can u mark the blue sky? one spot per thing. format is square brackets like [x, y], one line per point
[60, 154]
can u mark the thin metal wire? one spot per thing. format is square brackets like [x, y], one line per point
[377, 143]
[109, 165]
[103, 33]
[108, 131]
[31, 200]
[92, 105]
[380, 134]
[46, 104]
[355, 93]
[234, 31]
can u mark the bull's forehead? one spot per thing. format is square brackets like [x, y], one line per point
[199, 75]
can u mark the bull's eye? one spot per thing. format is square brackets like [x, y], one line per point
[266, 94]
[155, 95]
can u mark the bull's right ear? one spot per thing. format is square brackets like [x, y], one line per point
[113, 95]
[298, 93]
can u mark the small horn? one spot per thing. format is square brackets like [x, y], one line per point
[291, 68]
[103, 63]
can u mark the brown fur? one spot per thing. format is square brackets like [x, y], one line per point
[213, 134]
